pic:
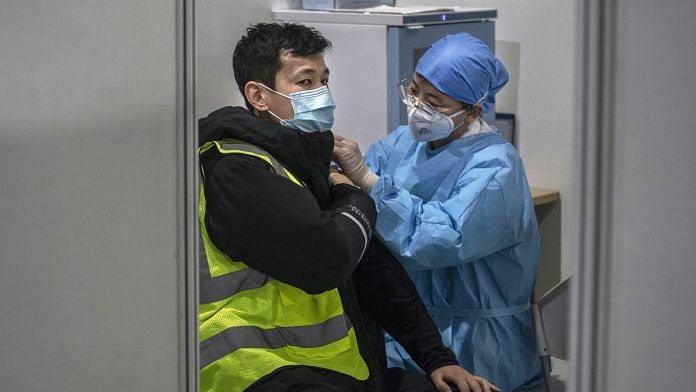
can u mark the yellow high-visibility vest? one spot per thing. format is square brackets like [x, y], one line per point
[251, 325]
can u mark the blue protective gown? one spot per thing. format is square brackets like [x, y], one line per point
[462, 222]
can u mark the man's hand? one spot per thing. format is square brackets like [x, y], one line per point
[336, 177]
[456, 376]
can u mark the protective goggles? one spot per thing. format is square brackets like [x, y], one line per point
[427, 110]
[412, 101]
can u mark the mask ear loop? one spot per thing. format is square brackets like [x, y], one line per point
[282, 95]
[461, 123]
[274, 115]
[464, 110]
[273, 91]
[480, 101]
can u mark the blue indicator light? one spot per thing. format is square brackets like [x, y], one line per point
[443, 17]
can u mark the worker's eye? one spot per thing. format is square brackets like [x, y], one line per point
[305, 82]
[325, 81]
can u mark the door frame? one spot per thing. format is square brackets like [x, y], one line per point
[594, 165]
[187, 198]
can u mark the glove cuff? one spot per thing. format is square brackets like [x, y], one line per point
[368, 181]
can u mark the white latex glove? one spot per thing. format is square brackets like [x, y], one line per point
[347, 154]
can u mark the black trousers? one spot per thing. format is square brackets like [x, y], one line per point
[305, 379]
[394, 379]
[399, 380]
[308, 379]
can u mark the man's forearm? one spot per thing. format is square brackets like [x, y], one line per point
[388, 295]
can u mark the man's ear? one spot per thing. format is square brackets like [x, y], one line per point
[253, 92]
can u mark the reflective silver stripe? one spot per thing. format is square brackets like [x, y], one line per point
[276, 166]
[235, 338]
[203, 270]
[224, 286]
[362, 229]
[219, 288]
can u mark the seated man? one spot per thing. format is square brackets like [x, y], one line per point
[282, 236]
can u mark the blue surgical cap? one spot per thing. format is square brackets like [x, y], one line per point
[463, 67]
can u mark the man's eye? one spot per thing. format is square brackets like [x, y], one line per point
[305, 82]
[325, 81]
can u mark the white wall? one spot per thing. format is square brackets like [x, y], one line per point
[546, 31]
[88, 196]
[652, 318]
[219, 25]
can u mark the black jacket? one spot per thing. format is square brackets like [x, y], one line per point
[310, 238]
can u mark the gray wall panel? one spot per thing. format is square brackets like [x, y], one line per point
[88, 192]
[651, 338]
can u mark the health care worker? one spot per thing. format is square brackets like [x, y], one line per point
[455, 208]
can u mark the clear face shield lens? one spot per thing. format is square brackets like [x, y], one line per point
[412, 102]
[403, 92]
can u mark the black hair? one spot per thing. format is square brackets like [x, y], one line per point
[257, 54]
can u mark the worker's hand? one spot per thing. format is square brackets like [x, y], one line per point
[336, 177]
[347, 153]
[450, 376]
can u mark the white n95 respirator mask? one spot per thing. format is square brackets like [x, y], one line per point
[427, 126]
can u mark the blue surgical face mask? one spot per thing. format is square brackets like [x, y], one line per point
[313, 109]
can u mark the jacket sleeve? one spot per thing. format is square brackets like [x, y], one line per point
[482, 216]
[387, 294]
[277, 227]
